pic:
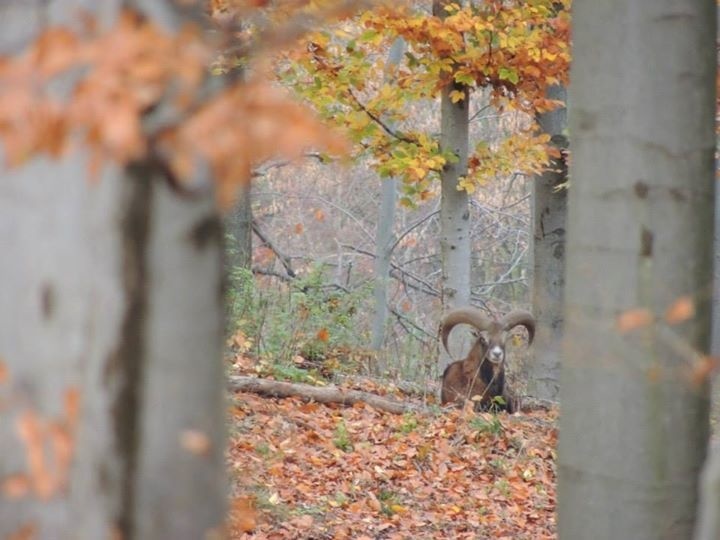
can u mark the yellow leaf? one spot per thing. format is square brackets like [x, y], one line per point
[457, 95]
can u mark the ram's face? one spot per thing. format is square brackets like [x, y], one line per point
[495, 351]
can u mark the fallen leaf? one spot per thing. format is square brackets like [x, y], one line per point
[244, 514]
[303, 522]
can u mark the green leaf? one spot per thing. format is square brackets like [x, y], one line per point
[464, 78]
[508, 74]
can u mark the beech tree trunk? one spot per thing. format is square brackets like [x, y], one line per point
[633, 424]
[110, 341]
[549, 217]
[239, 224]
[708, 525]
[454, 207]
[384, 233]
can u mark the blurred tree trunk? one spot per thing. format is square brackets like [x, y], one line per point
[708, 525]
[549, 217]
[454, 207]
[633, 424]
[384, 237]
[110, 338]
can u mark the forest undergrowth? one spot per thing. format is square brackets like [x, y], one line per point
[304, 470]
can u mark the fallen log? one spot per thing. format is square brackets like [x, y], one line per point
[333, 394]
[321, 394]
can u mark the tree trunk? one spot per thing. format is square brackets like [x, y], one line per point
[549, 217]
[454, 208]
[633, 427]
[110, 336]
[239, 224]
[708, 525]
[384, 233]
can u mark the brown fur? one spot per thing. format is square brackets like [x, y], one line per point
[476, 376]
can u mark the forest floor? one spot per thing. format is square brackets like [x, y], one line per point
[304, 470]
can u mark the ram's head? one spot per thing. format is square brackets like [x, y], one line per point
[482, 373]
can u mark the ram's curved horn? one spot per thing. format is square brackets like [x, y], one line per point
[473, 317]
[519, 317]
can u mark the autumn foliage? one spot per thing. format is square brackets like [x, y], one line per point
[134, 92]
[509, 52]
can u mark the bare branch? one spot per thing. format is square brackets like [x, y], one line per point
[284, 259]
[412, 227]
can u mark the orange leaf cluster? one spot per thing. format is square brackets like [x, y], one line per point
[134, 89]
[115, 77]
[243, 126]
[50, 446]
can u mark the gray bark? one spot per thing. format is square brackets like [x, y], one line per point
[549, 217]
[239, 225]
[454, 209]
[708, 525]
[384, 237]
[715, 349]
[179, 492]
[111, 295]
[633, 428]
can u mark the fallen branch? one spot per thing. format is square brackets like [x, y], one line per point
[333, 394]
[321, 394]
[416, 389]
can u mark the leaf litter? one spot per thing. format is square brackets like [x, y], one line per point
[302, 470]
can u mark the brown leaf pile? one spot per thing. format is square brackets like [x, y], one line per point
[305, 470]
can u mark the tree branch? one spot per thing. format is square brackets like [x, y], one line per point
[387, 129]
[284, 259]
[321, 394]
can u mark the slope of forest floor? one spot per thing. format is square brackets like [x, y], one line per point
[311, 471]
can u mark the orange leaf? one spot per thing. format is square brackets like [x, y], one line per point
[16, 486]
[632, 319]
[3, 372]
[703, 369]
[319, 215]
[681, 310]
[196, 442]
[323, 334]
[244, 514]
[299, 228]
[30, 429]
